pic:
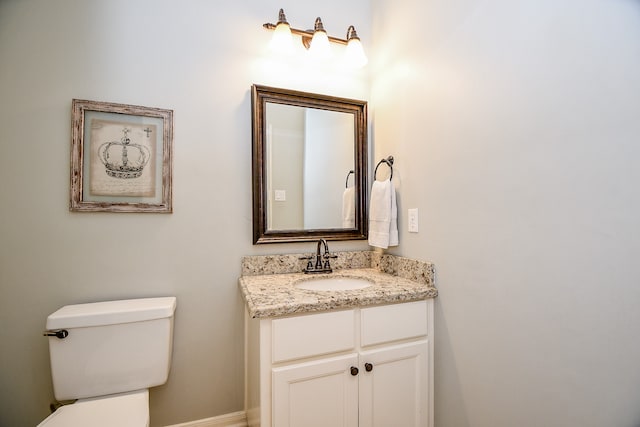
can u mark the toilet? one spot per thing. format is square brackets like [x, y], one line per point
[107, 355]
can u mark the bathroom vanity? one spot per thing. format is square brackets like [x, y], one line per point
[353, 357]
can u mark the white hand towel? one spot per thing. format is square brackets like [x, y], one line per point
[393, 227]
[383, 213]
[349, 208]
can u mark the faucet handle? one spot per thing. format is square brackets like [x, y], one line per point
[327, 256]
[309, 263]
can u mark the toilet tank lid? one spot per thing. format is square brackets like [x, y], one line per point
[111, 312]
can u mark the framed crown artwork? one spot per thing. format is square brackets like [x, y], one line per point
[121, 158]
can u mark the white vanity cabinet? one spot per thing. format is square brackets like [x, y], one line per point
[370, 366]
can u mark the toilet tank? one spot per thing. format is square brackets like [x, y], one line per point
[111, 347]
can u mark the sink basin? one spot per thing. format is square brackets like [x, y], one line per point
[333, 284]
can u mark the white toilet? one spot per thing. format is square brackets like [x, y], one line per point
[107, 355]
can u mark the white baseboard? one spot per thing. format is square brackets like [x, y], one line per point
[236, 419]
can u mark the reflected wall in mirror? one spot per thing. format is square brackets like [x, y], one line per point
[309, 166]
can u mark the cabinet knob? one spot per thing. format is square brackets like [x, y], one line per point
[354, 371]
[368, 367]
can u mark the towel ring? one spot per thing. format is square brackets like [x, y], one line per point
[346, 181]
[389, 162]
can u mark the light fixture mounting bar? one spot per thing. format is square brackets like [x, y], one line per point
[303, 33]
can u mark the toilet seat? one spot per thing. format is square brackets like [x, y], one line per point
[121, 410]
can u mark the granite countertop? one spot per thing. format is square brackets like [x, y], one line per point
[273, 295]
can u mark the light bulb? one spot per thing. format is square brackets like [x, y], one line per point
[354, 54]
[281, 42]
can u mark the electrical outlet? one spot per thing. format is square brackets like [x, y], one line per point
[413, 220]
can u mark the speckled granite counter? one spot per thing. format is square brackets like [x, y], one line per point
[268, 283]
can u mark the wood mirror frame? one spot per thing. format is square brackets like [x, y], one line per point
[261, 95]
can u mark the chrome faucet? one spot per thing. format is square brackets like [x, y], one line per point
[322, 264]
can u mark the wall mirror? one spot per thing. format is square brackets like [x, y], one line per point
[309, 166]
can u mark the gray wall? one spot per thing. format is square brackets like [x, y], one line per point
[328, 158]
[515, 130]
[198, 58]
[284, 158]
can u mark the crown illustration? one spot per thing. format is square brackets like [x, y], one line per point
[123, 159]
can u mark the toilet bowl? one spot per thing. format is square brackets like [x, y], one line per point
[106, 356]
[121, 410]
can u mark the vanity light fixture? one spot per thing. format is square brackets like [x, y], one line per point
[316, 40]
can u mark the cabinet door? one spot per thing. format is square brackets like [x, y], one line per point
[395, 391]
[320, 393]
